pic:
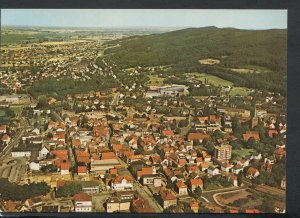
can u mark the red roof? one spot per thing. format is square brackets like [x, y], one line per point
[196, 182]
[61, 154]
[167, 195]
[249, 135]
[252, 171]
[271, 132]
[117, 147]
[65, 166]
[181, 184]
[168, 133]
[108, 155]
[113, 171]
[145, 171]
[119, 179]
[197, 136]
[82, 197]
[81, 169]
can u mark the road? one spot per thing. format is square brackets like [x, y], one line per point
[222, 205]
[115, 100]
[209, 195]
[15, 140]
[152, 202]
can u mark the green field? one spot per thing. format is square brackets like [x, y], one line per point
[16, 108]
[155, 81]
[217, 81]
[239, 91]
[242, 153]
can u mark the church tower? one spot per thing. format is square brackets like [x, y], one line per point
[254, 121]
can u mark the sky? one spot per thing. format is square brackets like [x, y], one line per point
[242, 19]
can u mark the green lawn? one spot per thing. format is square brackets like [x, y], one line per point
[217, 81]
[239, 91]
[155, 81]
[16, 108]
[242, 153]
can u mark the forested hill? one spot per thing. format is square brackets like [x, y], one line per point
[182, 49]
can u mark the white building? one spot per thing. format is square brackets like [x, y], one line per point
[83, 202]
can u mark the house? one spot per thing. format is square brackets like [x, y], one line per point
[204, 166]
[237, 169]
[194, 206]
[252, 173]
[152, 180]
[81, 170]
[194, 183]
[213, 171]
[82, 202]
[91, 187]
[5, 138]
[250, 134]
[167, 198]
[141, 205]
[2, 128]
[181, 188]
[121, 183]
[115, 204]
[225, 166]
[233, 180]
[256, 156]
[197, 136]
[65, 168]
[243, 162]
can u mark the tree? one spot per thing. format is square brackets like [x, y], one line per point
[69, 189]
[197, 193]
[240, 178]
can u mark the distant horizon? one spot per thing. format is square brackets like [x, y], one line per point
[145, 18]
[134, 27]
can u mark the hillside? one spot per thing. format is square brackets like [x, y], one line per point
[234, 48]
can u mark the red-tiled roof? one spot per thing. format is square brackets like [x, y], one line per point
[81, 169]
[197, 136]
[181, 184]
[196, 181]
[168, 132]
[166, 195]
[82, 197]
[65, 166]
[108, 155]
[249, 135]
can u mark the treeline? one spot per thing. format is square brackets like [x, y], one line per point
[234, 48]
[59, 88]
[12, 191]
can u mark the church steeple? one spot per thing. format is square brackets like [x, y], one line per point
[254, 121]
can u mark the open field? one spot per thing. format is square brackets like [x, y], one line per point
[209, 61]
[211, 79]
[242, 153]
[239, 91]
[155, 81]
[232, 196]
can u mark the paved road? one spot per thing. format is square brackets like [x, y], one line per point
[153, 203]
[209, 195]
[222, 205]
[15, 141]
